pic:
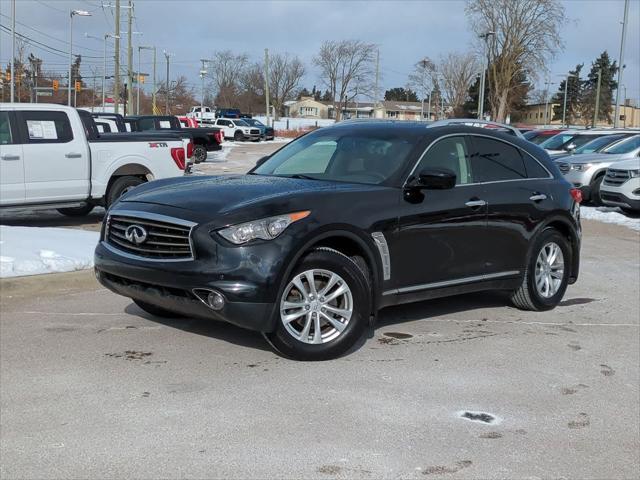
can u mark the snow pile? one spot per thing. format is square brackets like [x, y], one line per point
[221, 155]
[297, 123]
[34, 251]
[609, 215]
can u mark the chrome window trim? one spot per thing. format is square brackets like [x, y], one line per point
[450, 283]
[148, 216]
[383, 248]
[480, 183]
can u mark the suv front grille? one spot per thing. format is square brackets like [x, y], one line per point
[149, 236]
[564, 167]
[615, 178]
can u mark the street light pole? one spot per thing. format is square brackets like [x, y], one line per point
[80, 13]
[13, 50]
[203, 73]
[139, 76]
[484, 70]
[166, 56]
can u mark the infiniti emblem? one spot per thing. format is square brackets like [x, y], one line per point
[135, 234]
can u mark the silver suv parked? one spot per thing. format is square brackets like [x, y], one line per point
[621, 185]
[587, 171]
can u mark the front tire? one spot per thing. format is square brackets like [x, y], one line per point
[547, 273]
[121, 186]
[238, 136]
[324, 308]
[595, 198]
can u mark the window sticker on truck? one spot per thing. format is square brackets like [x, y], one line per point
[42, 129]
[158, 145]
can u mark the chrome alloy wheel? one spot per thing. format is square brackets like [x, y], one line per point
[549, 270]
[316, 306]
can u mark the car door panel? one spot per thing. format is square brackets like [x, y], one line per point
[11, 162]
[442, 233]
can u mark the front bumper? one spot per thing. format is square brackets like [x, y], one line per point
[246, 277]
[622, 196]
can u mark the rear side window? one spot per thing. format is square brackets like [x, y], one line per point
[147, 124]
[495, 161]
[450, 153]
[534, 168]
[46, 127]
[5, 129]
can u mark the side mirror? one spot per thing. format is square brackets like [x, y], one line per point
[262, 160]
[571, 147]
[434, 179]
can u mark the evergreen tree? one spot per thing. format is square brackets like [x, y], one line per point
[607, 86]
[470, 107]
[304, 93]
[574, 93]
[400, 94]
[326, 96]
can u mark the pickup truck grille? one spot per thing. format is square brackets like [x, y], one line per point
[615, 178]
[150, 237]
[564, 167]
[255, 131]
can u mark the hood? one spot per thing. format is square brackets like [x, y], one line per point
[590, 158]
[632, 164]
[233, 196]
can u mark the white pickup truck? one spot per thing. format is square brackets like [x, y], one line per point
[52, 156]
[202, 114]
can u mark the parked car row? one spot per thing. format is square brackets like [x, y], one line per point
[602, 163]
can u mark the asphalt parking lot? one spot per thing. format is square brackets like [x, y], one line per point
[92, 387]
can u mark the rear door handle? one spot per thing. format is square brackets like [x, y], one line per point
[73, 155]
[537, 197]
[475, 203]
[10, 157]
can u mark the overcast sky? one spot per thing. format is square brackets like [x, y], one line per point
[405, 31]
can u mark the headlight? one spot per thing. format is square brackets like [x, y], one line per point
[581, 167]
[634, 173]
[264, 229]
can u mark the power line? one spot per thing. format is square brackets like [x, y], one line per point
[44, 4]
[35, 43]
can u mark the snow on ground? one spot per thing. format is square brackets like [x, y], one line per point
[34, 250]
[610, 215]
[298, 123]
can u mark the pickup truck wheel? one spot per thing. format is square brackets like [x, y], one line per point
[153, 310]
[238, 136]
[121, 186]
[323, 309]
[199, 153]
[77, 211]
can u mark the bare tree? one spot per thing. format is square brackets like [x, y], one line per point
[457, 71]
[226, 68]
[526, 35]
[423, 78]
[285, 73]
[346, 69]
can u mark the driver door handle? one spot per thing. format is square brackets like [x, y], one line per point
[10, 157]
[537, 197]
[475, 203]
[73, 155]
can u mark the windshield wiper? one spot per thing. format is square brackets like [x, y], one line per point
[301, 176]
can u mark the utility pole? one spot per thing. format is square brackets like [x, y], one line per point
[564, 105]
[266, 83]
[203, 73]
[13, 50]
[616, 119]
[138, 85]
[596, 110]
[166, 56]
[116, 76]
[376, 92]
[153, 94]
[130, 59]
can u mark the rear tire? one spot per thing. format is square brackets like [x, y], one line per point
[120, 186]
[341, 315]
[199, 153]
[153, 310]
[77, 211]
[531, 295]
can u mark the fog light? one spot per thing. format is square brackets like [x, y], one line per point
[215, 300]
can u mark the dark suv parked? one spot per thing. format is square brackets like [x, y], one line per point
[344, 221]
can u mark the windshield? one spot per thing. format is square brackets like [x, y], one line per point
[598, 143]
[241, 123]
[626, 146]
[342, 155]
[557, 141]
[253, 122]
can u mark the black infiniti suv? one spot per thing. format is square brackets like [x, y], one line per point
[342, 222]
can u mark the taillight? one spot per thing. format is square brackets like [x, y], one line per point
[189, 149]
[219, 136]
[177, 154]
[576, 194]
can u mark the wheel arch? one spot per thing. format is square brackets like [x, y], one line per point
[568, 230]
